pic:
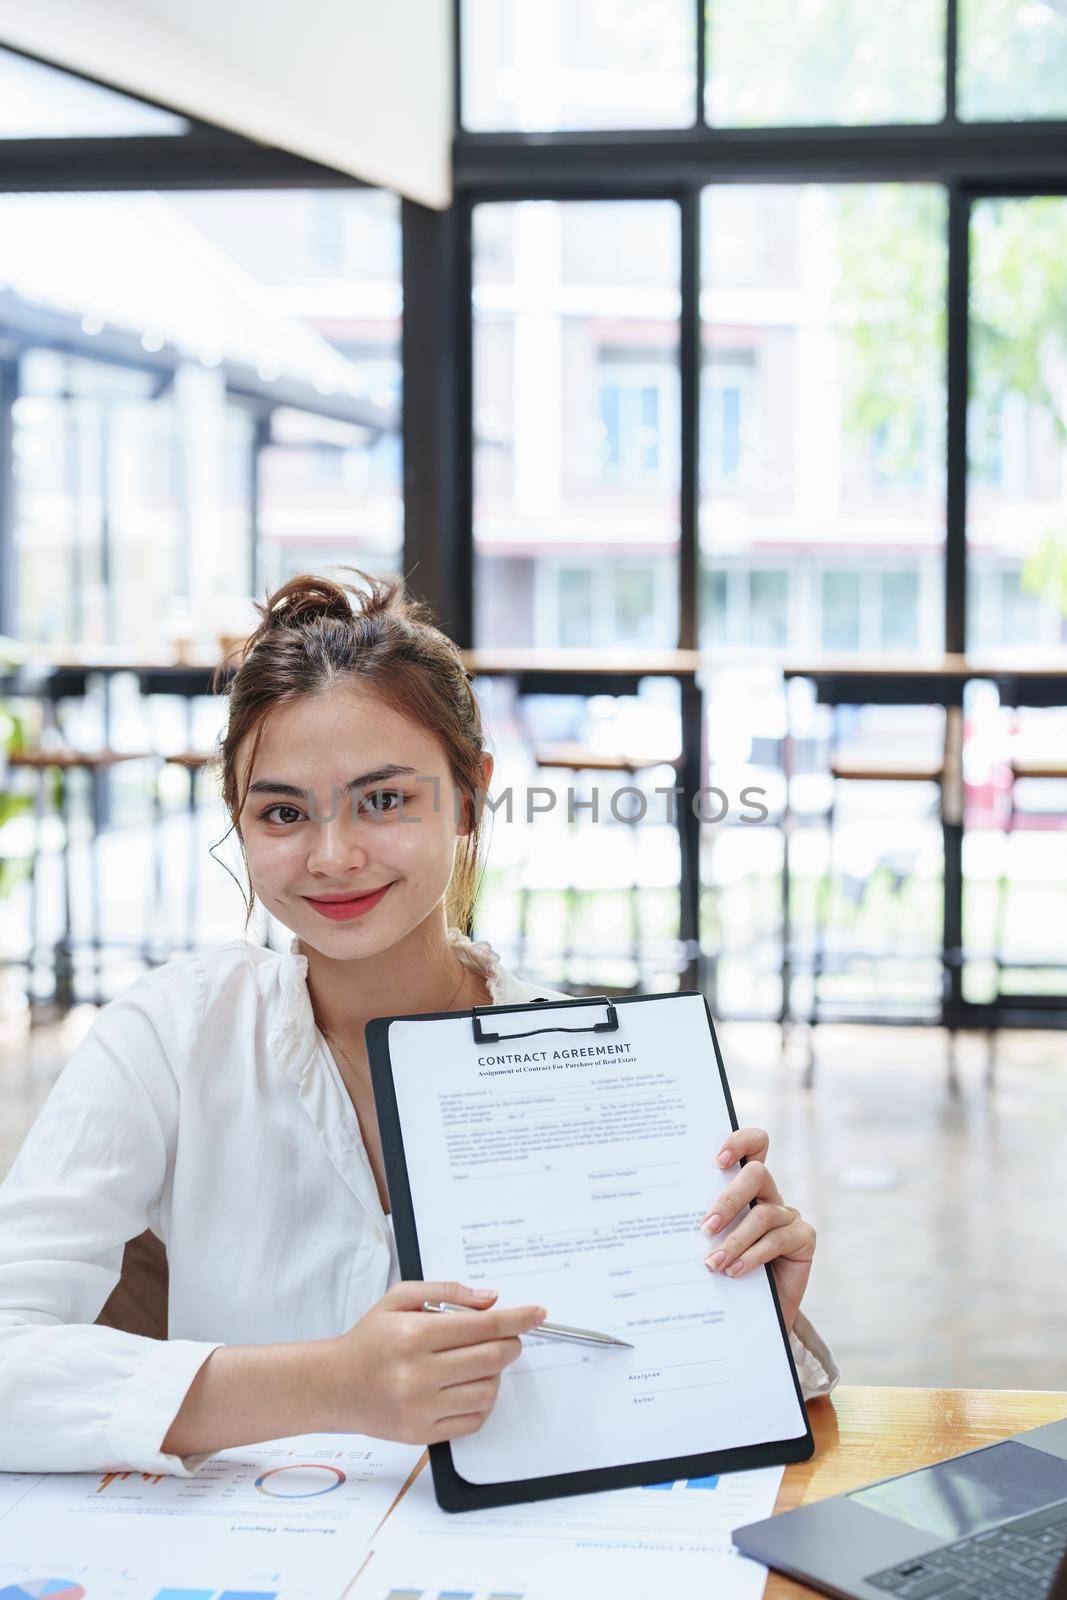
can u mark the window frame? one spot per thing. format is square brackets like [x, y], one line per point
[970, 160]
[205, 157]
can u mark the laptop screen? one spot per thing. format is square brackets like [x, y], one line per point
[971, 1492]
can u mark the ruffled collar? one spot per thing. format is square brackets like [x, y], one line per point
[293, 1039]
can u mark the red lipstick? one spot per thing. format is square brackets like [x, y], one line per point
[356, 905]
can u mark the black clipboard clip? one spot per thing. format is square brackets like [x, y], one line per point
[611, 1025]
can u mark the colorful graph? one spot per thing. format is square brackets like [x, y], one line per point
[451, 1594]
[114, 1477]
[64, 1589]
[300, 1481]
[215, 1594]
[37, 1588]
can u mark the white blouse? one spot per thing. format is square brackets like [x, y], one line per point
[204, 1104]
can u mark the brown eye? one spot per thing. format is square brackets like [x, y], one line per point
[383, 794]
[292, 815]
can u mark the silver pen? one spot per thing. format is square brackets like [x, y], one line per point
[548, 1330]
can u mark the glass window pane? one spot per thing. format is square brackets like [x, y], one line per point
[549, 64]
[823, 412]
[635, 605]
[1017, 487]
[1016, 580]
[575, 606]
[769, 602]
[899, 600]
[714, 606]
[813, 62]
[576, 403]
[840, 608]
[1013, 59]
[821, 517]
[196, 344]
[39, 102]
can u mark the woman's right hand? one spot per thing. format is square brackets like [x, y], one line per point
[402, 1373]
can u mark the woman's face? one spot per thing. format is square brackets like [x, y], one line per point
[330, 853]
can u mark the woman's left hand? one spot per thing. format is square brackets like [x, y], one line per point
[769, 1231]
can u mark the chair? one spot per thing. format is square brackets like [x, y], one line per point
[193, 761]
[52, 761]
[576, 759]
[1022, 769]
[138, 1302]
[862, 767]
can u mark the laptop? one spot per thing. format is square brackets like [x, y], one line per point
[990, 1524]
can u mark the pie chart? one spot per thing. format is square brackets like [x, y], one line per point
[297, 1482]
[37, 1588]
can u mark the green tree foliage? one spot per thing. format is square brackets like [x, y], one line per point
[891, 301]
[1018, 338]
[1013, 59]
[811, 62]
[891, 305]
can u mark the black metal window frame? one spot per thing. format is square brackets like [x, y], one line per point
[435, 281]
[206, 157]
[970, 160]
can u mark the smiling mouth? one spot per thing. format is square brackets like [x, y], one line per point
[345, 906]
[342, 899]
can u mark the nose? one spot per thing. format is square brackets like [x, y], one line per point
[334, 847]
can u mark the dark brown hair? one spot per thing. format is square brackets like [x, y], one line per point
[311, 636]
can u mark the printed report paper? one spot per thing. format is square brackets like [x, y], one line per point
[572, 1170]
[289, 1519]
[625, 1544]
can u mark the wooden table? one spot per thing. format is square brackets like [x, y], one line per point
[865, 1434]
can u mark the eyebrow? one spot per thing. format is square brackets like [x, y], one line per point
[377, 775]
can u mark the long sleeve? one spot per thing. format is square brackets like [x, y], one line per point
[816, 1368]
[90, 1176]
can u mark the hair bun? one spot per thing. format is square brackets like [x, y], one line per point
[303, 599]
[308, 598]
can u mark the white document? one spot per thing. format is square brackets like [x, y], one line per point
[286, 1520]
[500, 1570]
[572, 1170]
[14, 1486]
[626, 1544]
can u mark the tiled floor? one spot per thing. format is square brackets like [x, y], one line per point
[942, 1223]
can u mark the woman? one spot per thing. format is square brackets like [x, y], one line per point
[225, 1102]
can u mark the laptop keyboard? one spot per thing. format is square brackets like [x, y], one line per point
[1014, 1562]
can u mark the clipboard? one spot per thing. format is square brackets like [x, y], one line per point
[486, 1027]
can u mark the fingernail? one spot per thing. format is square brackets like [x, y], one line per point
[715, 1262]
[484, 1294]
[725, 1158]
[738, 1267]
[713, 1224]
[540, 1314]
